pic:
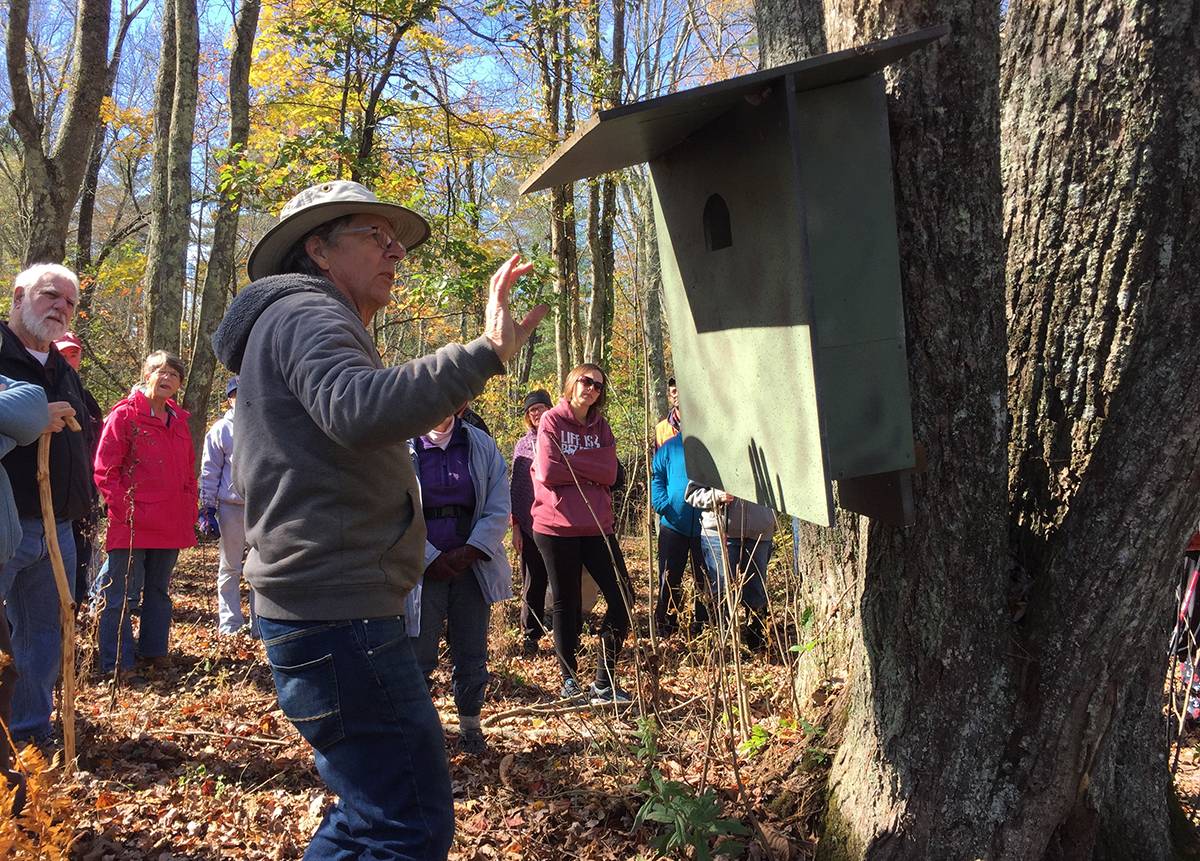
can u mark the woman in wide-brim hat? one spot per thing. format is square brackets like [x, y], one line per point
[333, 509]
[319, 210]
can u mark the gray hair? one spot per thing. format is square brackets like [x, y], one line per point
[297, 261]
[39, 272]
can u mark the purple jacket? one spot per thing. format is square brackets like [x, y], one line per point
[521, 492]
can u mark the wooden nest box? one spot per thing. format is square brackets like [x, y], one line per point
[776, 225]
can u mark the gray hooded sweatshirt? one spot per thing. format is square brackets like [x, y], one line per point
[333, 517]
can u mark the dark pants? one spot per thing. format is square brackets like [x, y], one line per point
[673, 552]
[565, 557]
[533, 588]
[84, 531]
[1190, 613]
[354, 691]
[132, 579]
[27, 584]
[8, 681]
[458, 606]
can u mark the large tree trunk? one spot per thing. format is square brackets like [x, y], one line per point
[171, 188]
[55, 176]
[1102, 212]
[1004, 665]
[931, 614]
[220, 276]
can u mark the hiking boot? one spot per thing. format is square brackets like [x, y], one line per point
[753, 635]
[601, 695]
[571, 690]
[472, 742]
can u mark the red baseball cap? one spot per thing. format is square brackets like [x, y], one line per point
[69, 339]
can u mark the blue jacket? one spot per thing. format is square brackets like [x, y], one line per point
[23, 415]
[489, 473]
[668, 480]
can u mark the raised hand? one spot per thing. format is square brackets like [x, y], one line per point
[508, 336]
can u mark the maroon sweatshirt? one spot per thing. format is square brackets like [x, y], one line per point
[570, 452]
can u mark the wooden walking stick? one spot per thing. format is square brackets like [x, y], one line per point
[66, 601]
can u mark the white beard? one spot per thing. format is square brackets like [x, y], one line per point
[43, 328]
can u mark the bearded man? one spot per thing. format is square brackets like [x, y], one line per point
[43, 302]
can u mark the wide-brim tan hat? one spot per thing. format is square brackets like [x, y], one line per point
[318, 204]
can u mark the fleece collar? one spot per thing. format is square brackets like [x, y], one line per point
[232, 335]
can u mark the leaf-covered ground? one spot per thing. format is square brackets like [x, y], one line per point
[196, 761]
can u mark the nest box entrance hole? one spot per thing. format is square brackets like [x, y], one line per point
[717, 232]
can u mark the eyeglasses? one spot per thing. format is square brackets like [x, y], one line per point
[589, 383]
[385, 242]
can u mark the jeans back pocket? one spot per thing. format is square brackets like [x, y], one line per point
[308, 695]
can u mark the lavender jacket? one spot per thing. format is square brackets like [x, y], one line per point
[216, 466]
[522, 481]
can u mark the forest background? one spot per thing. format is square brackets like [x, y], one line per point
[442, 107]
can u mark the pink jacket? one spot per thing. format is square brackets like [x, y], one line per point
[568, 451]
[146, 472]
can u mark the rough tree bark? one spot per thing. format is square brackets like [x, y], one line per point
[1102, 212]
[171, 187]
[87, 199]
[84, 225]
[551, 27]
[602, 192]
[54, 175]
[1003, 660]
[649, 284]
[220, 277]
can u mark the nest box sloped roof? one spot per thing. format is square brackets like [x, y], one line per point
[642, 131]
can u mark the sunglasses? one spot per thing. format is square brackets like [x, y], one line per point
[385, 242]
[589, 383]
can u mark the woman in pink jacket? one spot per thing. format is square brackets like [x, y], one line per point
[574, 468]
[145, 470]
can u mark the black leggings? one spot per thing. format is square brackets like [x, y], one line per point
[533, 587]
[565, 557]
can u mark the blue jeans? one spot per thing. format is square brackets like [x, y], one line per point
[745, 562]
[354, 691]
[130, 579]
[27, 584]
[458, 605]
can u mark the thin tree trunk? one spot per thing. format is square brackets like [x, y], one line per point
[566, 276]
[157, 262]
[55, 174]
[87, 200]
[220, 276]
[650, 283]
[87, 208]
[171, 191]
[525, 368]
[608, 77]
